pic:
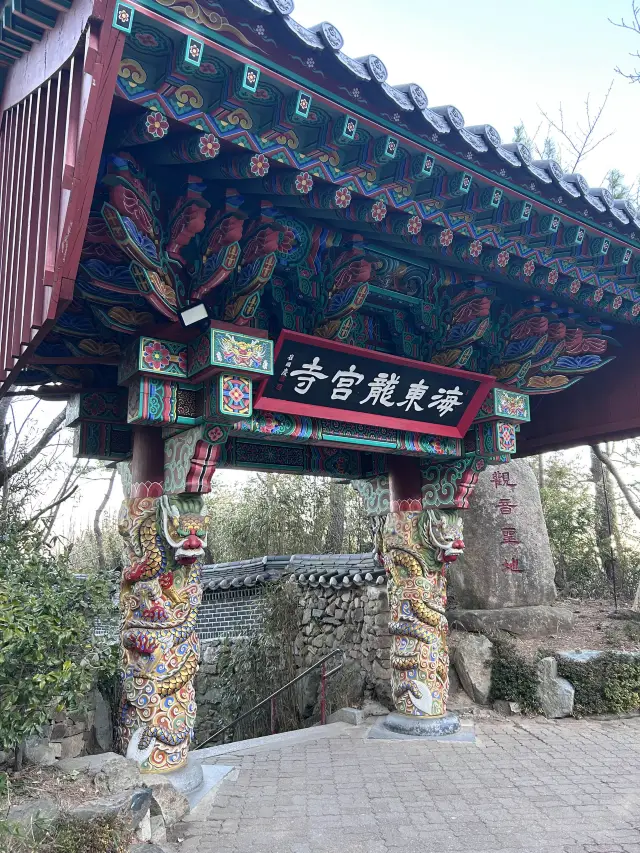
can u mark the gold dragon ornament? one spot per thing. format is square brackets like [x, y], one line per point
[417, 546]
[160, 594]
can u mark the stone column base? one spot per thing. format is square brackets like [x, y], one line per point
[414, 726]
[186, 780]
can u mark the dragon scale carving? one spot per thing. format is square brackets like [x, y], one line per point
[417, 546]
[159, 599]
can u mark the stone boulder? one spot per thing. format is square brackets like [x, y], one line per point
[472, 659]
[40, 810]
[507, 559]
[133, 806]
[39, 751]
[166, 802]
[102, 724]
[110, 772]
[555, 694]
[536, 621]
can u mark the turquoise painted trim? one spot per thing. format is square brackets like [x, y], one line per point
[431, 146]
[343, 439]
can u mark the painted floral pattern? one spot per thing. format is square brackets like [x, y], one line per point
[156, 356]
[209, 146]
[414, 225]
[304, 182]
[503, 258]
[553, 277]
[378, 210]
[343, 197]
[446, 237]
[475, 249]
[617, 302]
[259, 165]
[598, 294]
[529, 268]
[575, 287]
[157, 125]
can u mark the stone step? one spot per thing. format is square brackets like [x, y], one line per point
[268, 742]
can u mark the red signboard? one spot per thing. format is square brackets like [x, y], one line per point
[320, 378]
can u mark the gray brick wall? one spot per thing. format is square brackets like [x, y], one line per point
[230, 614]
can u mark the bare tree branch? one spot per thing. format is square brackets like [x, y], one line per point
[606, 460]
[582, 143]
[53, 505]
[97, 530]
[634, 27]
[29, 455]
[69, 481]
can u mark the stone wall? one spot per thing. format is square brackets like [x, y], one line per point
[69, 735]
[355, 620]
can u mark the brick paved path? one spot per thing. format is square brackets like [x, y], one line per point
[529, 787]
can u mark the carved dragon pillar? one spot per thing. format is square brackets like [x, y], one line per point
[165, 536]
[417, 545]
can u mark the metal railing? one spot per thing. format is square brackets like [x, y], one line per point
[271, 699]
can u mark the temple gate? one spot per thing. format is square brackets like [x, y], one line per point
[228, 244]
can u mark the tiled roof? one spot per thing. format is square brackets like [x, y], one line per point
[445, 126]
[326, 570]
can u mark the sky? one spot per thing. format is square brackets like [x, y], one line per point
[499, 62]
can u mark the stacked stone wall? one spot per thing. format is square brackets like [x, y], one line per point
[355, 620]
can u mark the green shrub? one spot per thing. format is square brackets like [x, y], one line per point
[514, 678]
[608, 684]
[49, 655]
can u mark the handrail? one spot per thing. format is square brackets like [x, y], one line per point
[272, 697]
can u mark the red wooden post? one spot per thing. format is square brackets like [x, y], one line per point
[323, 695]
[405, 483]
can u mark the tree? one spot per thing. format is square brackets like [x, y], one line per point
[335, 528]
[34, 463]
[284, 514]
[569, 515]
[633, 26]
[49, 656]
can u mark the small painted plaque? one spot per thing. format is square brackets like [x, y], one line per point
[241, 352]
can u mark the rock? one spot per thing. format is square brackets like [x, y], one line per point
[143, 832]
[504, 524]
[158, 829]
[72, 747]
[371, 708]
[472, 659]
[507, 709]
[380, 673]
[110, 772]
[167, 803]
[132, 805]
[454, 682]
[352, 716]
[42, 809]
[538, 621]
[146, 848]
[102, 723]
[555, 694]
[39, 751]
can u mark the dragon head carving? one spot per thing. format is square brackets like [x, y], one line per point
[444, 533]
[184, 527]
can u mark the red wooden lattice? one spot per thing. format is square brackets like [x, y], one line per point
[50, 144]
